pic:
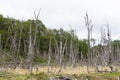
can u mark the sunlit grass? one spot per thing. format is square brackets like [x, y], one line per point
[77, 72]
[67, 70]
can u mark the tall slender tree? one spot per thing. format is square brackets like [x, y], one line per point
[89, 26]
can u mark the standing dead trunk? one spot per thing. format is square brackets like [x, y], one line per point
[30, 52]
[62, 50]
[14, 47]
[13, 38]
[60, 61]
[72, 53]
[19, 42]
[109, 45]
[36, 19]
[89, 29]
[73, 49]
[0, 43]
[32, 43]
[49, 55]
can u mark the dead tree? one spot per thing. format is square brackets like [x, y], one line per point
[49, 55]
[19, 42]
[106, 42]
[36, 27]
[109, 44]
[74, 49]
[56, 50]
[61, 52]
[60, 49]
[72, 56]
[0, 42]
[89, 27]
[13, 39]
[103, 43]
[32, 43]
[30, 51]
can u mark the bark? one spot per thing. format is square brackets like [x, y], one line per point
[30, 51]
[0, 43]
[49, 55]
[89, 27]
[37, 25]
[56, 50]
[19, 42]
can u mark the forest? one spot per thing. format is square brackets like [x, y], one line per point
[30, 46]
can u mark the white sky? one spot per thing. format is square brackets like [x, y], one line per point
[66, 13]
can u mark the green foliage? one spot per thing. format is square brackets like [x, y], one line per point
[40, 60]
[116, 43]
[42, 76]
[112, 75]
[83, 47]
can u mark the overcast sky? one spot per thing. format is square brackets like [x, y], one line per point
[66, 13]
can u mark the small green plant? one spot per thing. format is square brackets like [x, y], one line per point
[41, 76]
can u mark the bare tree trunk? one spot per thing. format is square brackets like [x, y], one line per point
[30, 51]
[14, 47]
[109, 45]
[56, 50]
[36, 18]
[71, 53]
[13, 35]
[81, 58]
[89, 29]
[19, 43]
[62, 50]
[60, 57]
[73, 49]
[32, 43]
[49, 55]
[0, 43]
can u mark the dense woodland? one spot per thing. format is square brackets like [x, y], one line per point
[29, 43]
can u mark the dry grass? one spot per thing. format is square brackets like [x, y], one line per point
[67, 70]
[23, 74]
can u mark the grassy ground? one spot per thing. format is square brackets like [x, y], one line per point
[103, 76]
[80, 73]
[67, 70]
[10, 76]
[43, 76]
